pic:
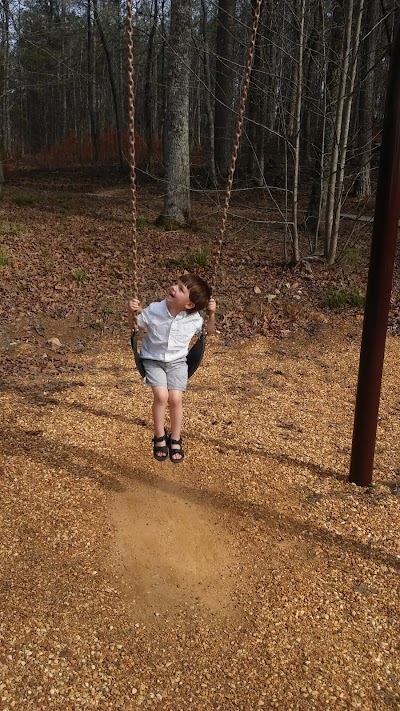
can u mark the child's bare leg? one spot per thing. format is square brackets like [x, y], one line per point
[175, 413]
[160, 401]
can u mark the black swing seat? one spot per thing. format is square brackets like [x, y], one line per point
[194, 357]
[138, 360]
[196, 353]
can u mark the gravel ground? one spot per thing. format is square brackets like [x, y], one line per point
[252, 576]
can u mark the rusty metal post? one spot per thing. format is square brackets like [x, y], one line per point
[380, 276]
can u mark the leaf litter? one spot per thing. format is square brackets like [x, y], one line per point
[253, 575]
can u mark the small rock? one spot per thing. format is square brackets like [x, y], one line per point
[257, 290]
[54, 343]
[364, 589]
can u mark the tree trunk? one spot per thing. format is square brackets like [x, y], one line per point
[344, 134]
[5, 126]
[338, 119]
[323, 146]
[272, 69]
[176, 134]
[148, 89]
[362, 185]
[224, 86]
[312, 82]
[301, 9]
[91, 86]
[209, 113]
[112, 82]
[163, 69]
[256, 112]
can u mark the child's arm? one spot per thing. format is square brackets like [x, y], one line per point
[211, 317]
[133, 308]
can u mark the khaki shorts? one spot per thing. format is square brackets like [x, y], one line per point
[173, 375]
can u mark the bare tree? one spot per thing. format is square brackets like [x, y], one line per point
[363, 186]
[256, 110]
[91, 84]
[116, 102]
[210, 139]
[224, 85]
[150, 87]
[345, 99]
[5, 125]
[301, 10]
[176, 134]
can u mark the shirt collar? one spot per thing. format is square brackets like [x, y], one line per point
[182, 314]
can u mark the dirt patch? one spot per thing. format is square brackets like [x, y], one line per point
[172, 553]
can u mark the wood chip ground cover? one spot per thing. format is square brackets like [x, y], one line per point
[251, 576]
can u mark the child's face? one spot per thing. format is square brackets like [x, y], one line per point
[178, 297]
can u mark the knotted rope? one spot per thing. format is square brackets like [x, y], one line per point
[132, 155]
[238, 133]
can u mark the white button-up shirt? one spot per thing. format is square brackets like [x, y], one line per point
[167, 338]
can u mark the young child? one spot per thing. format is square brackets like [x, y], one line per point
[169, 327]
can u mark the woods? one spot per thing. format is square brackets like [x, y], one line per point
[314, 112]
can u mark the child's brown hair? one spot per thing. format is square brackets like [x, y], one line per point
[199, 291]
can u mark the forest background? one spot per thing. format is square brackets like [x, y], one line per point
[310, 145]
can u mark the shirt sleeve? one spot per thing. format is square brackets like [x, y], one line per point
[143, 318]
[199, 324]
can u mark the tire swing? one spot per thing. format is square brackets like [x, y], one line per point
[196, 352]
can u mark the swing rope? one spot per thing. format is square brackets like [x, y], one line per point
[236, 143]
[132, 154]
[196, 352]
